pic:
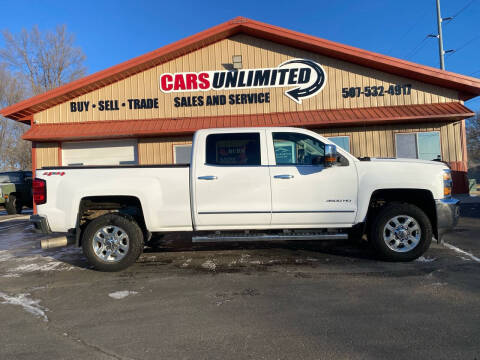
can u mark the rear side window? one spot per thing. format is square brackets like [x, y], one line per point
[234, 149]
[13, 177]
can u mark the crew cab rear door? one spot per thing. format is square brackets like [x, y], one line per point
[304, 192]
[231, 180]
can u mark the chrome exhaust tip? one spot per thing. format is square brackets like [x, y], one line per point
[60, 241]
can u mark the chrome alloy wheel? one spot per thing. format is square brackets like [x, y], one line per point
[402, 233]
[110, 243]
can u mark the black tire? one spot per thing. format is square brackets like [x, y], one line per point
[376, 236]
[135, 241]
[13, 205]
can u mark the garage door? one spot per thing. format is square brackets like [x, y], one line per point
[105, 152]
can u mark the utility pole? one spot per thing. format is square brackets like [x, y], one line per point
[440, 37]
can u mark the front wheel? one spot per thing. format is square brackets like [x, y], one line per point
[401, 232]
[112, 242]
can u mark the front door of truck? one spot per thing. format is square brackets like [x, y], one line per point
[232, 181]
[304, 192]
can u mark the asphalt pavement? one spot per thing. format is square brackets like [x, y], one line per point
[304, 300]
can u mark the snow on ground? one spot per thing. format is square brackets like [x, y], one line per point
[9, 218]
[462, 252]
[30, 305]
[209, 265]
[20, 252]
[121, 294]
[425, 259]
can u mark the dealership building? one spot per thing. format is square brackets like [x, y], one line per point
[247, 73]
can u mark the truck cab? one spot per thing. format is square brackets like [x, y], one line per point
[271, 178]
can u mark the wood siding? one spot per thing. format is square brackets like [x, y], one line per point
[47, 154]
[379, 141]
[373, 141]
[158, 151]
[256, 53]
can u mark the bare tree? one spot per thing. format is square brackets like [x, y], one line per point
[47, 60]
[31, 63]
[14, 152]
[473, 140]
[12, 88]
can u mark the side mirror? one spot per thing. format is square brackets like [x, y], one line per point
[330, 155]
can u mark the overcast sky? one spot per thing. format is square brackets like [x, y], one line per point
[110, 32]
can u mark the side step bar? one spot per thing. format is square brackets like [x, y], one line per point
[268, 237]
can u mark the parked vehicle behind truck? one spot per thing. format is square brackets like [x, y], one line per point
[248, 184]
[16, 191]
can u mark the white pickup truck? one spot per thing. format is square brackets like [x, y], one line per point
[248, 184]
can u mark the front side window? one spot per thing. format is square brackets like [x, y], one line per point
[233, 149]
[297, 149]
[421, 145]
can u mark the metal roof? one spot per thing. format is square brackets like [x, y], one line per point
[452, 111]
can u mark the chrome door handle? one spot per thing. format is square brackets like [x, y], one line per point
[283, 176]
[207, 177]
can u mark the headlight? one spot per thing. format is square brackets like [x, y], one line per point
[447, 183]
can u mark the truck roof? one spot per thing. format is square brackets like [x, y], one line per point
[247, 129]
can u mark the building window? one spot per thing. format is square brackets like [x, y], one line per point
[182, 154]
[233, 149]
[297, 149]
[420, 145]
[342, 141]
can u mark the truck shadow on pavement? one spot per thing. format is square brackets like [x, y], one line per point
[178, 251]
[345, 248]
[20, 253]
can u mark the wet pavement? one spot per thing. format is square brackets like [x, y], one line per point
[307, 300]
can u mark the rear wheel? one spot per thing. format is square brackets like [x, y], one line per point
[112, 242]
[401, 232]
[13, 205]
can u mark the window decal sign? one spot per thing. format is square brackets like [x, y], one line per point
[303, 78]
[284, 151]
[232, 152]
